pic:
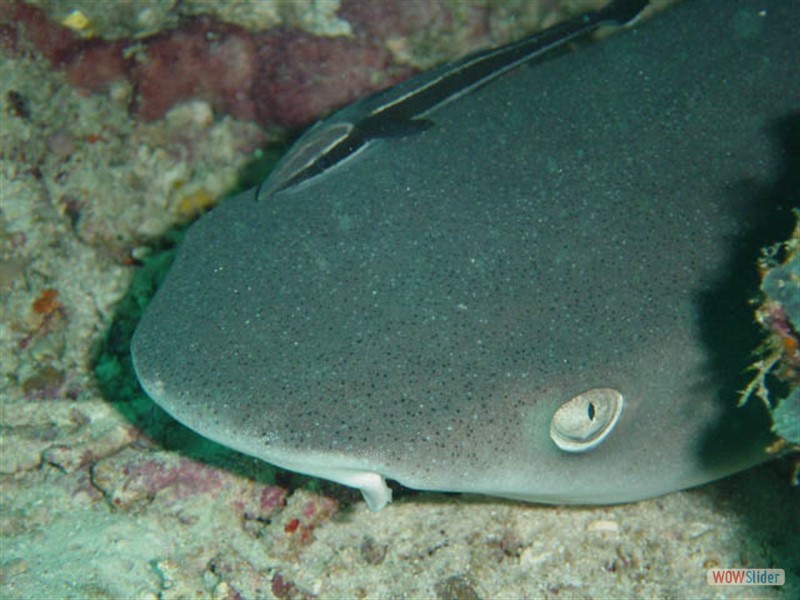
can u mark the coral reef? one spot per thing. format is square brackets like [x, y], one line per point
[235, 58]
[102, 495]
[777, 379]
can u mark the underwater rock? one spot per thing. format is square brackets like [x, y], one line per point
[133, 477]
[284, 77]
[777, 367]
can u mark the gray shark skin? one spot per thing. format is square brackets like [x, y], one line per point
[423, 310]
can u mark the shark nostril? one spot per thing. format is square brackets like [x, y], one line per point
[584, 421]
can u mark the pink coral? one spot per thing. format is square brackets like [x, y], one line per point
[277, 77]
[211, 61]
[283, 77]
[271, 499]
[302, 76]
[133, 477]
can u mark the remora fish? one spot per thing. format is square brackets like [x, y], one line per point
[401, 110]
[519, 295]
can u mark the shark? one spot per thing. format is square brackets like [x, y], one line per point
[522, 274]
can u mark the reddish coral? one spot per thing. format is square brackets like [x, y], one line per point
[278, 77]
[284, 77]
[271, 499]
[288, 590]
[186, 479]
[282, 588]
[131, 477]
[291, 526]
[302, 76]
[46, 303]
[315, 512]
[207, 60]
[50, 39]
[93, 65]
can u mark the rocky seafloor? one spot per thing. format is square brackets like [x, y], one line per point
[118, 128]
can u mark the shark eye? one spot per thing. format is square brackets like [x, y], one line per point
[583, 422]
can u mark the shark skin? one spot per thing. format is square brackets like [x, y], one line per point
[574, 234]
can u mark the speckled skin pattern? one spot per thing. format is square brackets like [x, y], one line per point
[422, 311]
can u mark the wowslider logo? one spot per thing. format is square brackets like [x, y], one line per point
[745, 577]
